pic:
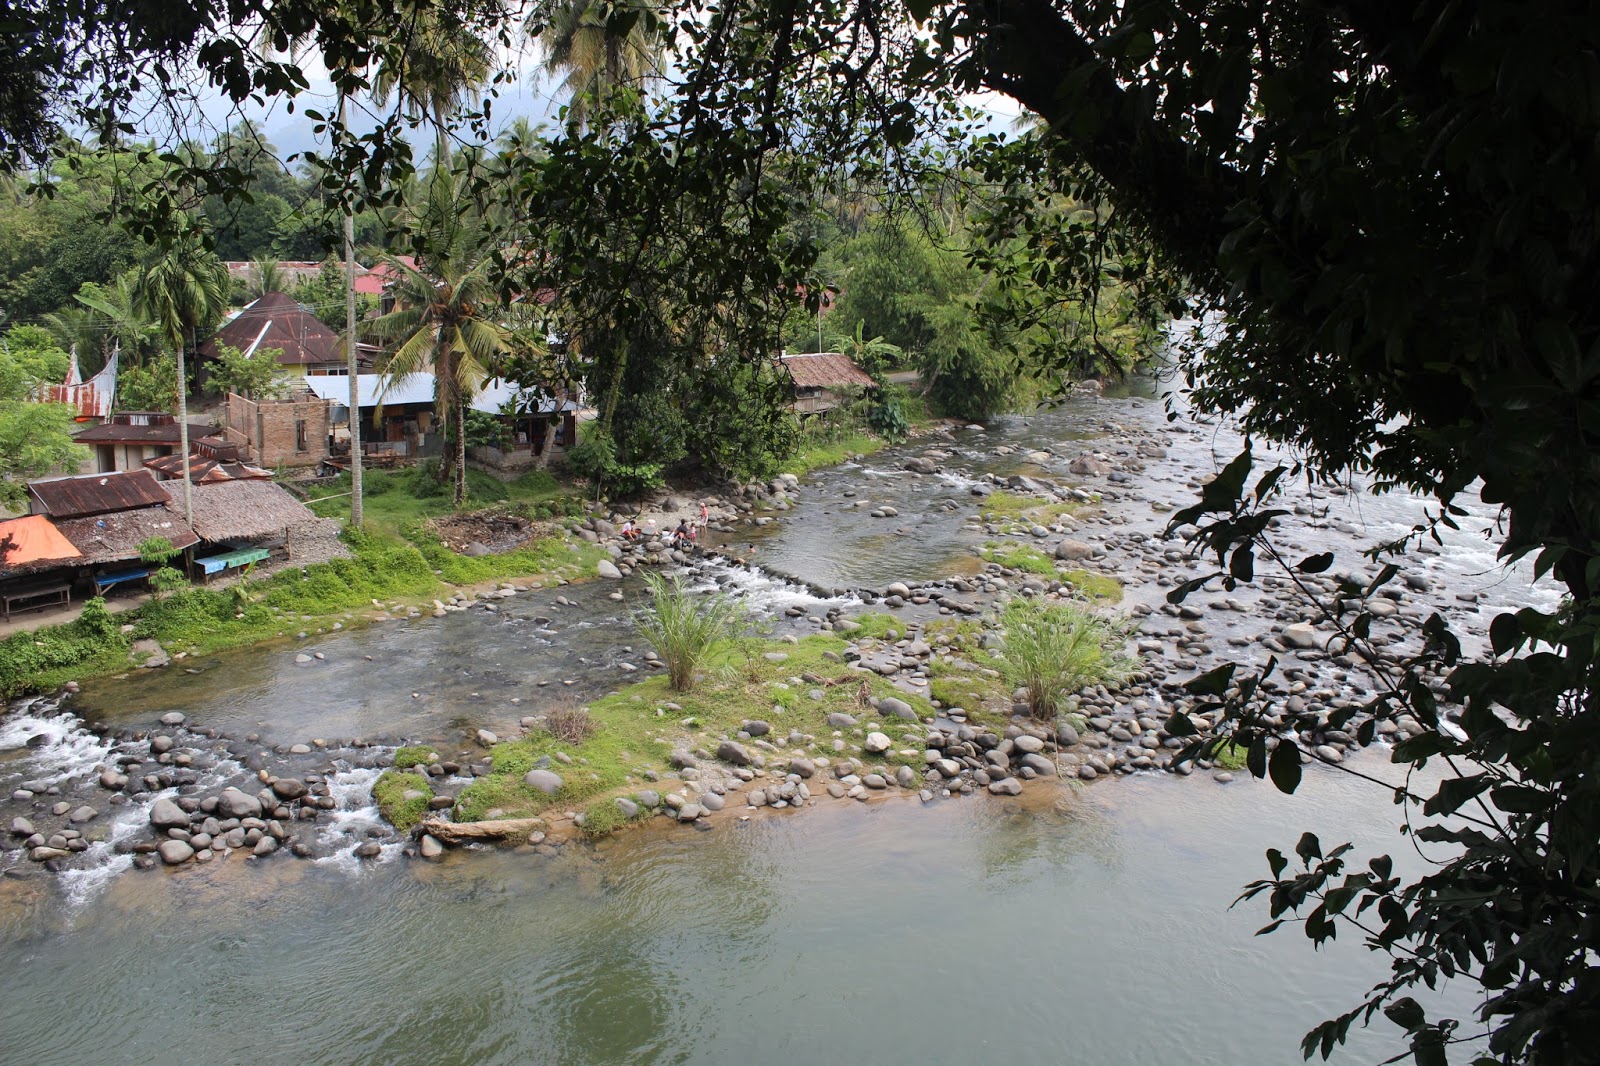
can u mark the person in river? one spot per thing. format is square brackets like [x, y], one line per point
[629, 530]
[650, 529]
[683, 536]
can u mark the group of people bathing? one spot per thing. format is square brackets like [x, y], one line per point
[682, 537]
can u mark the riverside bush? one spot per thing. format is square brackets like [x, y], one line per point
[1053, 650]
[684, 627]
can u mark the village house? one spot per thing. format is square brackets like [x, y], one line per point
[823, 380]
[305, 344]
[130, 438]
[104, 518]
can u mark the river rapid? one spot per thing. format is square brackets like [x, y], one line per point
[1073, 924]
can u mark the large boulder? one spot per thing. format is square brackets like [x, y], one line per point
[174, 852]
[877, 743]
[897, 708]
[1089, 466]
[607, 569]
[1300, 635]
[547, 781]
[289, 788]
[235, 804]
[921, 465]
[1073, 550]
[166, 814]
[731, 751]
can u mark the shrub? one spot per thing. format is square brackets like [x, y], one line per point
[684, 627]
[1053, 650]
[595, 458]
[571, 725]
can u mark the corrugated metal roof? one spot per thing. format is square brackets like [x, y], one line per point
[418, 389]
[207, 469]
[275, 321]
[90, 494]
[122, 433]
[826, 370]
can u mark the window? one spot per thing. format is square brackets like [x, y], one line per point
[300, 444]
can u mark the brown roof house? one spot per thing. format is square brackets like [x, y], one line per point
[129, 438]
[307, 346]
[823, 380]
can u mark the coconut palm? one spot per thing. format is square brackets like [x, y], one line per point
[120, 316]
[442, 318]
[441, 65]
[183, 289]
[578, 42]
[266, 275]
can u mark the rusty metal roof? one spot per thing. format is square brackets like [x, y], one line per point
[275, 321]
[91, 494]
[123, 433]
[826, 370]
[207, 469]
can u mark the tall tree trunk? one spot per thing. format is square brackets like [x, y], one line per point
[461, 451]
[350, 346]
[183, 441]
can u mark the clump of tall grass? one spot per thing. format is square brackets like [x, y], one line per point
[1051, 650]
[685, 627]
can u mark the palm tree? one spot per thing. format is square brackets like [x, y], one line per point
[186, 287]
[118, 315]
[873, 354]
[440, 67]
[579, 43]
[267, 276]
[441, 316]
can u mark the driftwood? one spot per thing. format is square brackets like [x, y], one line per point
[466, 832]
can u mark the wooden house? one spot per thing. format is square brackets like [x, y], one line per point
[823, 380]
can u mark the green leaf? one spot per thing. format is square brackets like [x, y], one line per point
[1455, 791]
[1284, 766]
[1505, 633]
[1243, 563]
[1213, 682]
[1407, 1013]
[1181, 725]
[1315, 564]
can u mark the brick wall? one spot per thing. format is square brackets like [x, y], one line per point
[279, 433]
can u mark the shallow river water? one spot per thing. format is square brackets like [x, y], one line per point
[1087, 926]
[1095, 930]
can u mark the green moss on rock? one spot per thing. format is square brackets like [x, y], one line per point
[402, 798]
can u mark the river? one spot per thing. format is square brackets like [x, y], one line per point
[1093, 931]
[1087, 925]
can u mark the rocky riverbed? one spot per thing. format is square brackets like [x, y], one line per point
[89, 802]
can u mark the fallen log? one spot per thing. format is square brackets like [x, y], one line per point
[466, 832]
